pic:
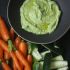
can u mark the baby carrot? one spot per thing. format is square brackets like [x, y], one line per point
[17, 41]
[14, 66]
[1, 53]
[22, 66]
[0, 35]
[12, 33]
[29, 58]
[23, 60]
[23, 48]
[3, 45]
[5, 66]
[15, 60]
[7, 55]
[3, 30]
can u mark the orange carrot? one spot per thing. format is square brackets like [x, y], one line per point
[1, 53]
[23, 48]
[12, 33]
[17, 41]
[3, 45]
[29, 58]
[22, 66]
[23, 60]
[14, 66]
[15, 60]
[0, 35]
[3, 30]
[5, 66]
[7, 55]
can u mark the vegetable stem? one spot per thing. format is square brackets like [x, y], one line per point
[11, 46]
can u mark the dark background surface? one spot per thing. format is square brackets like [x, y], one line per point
[64, 42]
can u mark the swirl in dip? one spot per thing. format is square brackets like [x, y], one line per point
[39, 16]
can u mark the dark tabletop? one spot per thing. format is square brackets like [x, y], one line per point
[64, 42]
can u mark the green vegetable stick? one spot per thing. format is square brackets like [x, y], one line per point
[64, 68]
[60, 58]
[44, 53]
[58, 64]
[36, 66]
[36, 54]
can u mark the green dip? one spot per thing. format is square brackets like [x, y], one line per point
[39, 16]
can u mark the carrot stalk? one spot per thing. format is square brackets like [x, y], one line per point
[11, 46]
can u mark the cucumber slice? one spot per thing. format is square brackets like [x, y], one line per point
[58, 58]
[58, 64]
[64, 68]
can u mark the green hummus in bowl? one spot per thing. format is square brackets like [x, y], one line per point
[39, 16]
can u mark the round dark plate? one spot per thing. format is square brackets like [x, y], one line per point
[13, 15]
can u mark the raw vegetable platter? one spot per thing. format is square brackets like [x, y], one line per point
[63, 45]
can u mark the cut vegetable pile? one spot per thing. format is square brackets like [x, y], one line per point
[25, 55]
